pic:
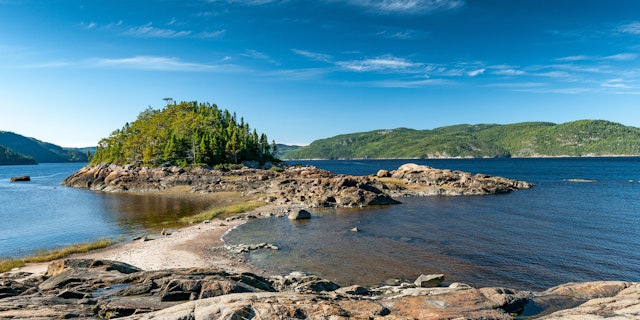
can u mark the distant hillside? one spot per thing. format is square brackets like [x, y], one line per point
[527, 139]
[284, 149]
[41, 152]
[10, 157]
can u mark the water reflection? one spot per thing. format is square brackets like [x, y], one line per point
[154, 210]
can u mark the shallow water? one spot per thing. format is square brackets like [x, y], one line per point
[557, 232]
[42, 214]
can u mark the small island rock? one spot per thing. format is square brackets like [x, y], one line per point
[300, 215]
[20, 178]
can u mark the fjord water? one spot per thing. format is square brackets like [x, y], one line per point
[581, 222]
[42, 214]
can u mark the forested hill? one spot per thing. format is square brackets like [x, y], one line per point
[10, 157]
[527, 139]
[37, 150]
[184, 134]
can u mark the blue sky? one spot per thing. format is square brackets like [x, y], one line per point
[73, 71]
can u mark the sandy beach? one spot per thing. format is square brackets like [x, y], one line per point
[196, 245]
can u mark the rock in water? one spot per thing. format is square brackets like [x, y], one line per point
[20, 178]
[429, 281]
[301, 214]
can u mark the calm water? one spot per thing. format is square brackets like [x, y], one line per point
[557, 232]
[42, 214]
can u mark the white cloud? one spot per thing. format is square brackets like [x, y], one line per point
[621, 57]
[508, 72]
[313, 55]
[632, 28]
[377, 64]
[616, 83]
[254, 54]
[476, 72]
[555, 74]
[573, 58]
[150, 63]
[148, 31]
[410, 83]
[400, 35]
[212, 34]
[407, 6]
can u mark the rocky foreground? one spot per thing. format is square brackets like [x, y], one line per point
[304, 186]
[99, 289]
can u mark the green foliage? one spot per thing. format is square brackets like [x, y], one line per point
[188, 133]
[10, 157]
[41, 152]
[226, 210]
[40, 256]
[527, 139]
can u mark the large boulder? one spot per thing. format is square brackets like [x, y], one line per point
[429, 281]
[300, 215]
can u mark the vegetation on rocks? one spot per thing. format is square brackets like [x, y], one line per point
[186, 133]
[527, 139]
[8, 263]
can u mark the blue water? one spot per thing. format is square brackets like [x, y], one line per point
[42, 214]
[557, 232]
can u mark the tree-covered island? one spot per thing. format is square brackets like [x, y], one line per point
[182, 134]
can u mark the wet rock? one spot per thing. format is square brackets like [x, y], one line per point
[300, 215]
[20, 179]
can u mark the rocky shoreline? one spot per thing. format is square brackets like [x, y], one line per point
[105, 289]
[189, 274]
[297, 185]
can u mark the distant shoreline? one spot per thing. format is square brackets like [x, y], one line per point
[469, 158]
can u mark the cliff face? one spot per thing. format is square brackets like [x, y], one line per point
[305, 186]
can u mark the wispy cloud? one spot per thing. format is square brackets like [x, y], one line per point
[476, 72]
[384, 63]
[507, 71]
[149, 31]
[407, 6]
[621, 57]
[144, 63]
[258, 55]
[313, 55]
[573, 58]
[150, 63]
[212, 34]
[88, 26]
[631, 28]
[410, 83]
[399, 34]
[617, 83]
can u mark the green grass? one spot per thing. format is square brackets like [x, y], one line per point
[6, 264]
[226, 210]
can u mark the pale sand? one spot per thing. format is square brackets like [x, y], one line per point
[198, 245]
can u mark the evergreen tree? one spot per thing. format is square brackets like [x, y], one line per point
[181, 134]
